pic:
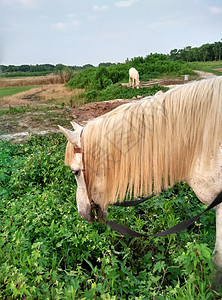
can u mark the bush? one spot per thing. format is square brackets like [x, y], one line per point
[91, 96]
[66, 74]
[101, 79]
[99, 83]
[117, 91]
[82, 79]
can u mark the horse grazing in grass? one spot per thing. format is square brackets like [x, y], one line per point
[133, 78]
[149, 145]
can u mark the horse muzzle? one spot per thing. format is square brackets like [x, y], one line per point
[93, 213]
[98, 215]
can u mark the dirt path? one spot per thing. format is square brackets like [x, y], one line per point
[33, 111]
[40, 116]
[20, 126]
[205, 75]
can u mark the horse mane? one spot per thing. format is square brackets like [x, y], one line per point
[146, 146]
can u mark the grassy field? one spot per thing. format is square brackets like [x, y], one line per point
[208, 66]
[48, 252]
[8, 91]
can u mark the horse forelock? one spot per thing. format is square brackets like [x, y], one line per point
[149, 145]
[69, 154]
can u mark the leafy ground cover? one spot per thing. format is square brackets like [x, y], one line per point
[117, 91]
[48, 252]
[8, 91]
[22, 109]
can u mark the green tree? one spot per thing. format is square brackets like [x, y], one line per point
[66, 74]
[101, 78]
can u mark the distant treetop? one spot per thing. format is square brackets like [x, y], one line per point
[206, 52]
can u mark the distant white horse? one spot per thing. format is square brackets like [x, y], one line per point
[146, 146]
[133, 78]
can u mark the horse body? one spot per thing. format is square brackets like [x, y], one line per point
[133, 78]
[151, 144]
[207, 184]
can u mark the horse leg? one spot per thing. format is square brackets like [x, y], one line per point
[137, 83]
[206, 195]
[130, 81]
[207, 184]
[217, 254]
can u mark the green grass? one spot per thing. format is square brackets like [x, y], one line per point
[208, 66]
[48, 252]
[23, 109]
[116, 91]
[8, 91]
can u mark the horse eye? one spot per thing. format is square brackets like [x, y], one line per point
[75, 172]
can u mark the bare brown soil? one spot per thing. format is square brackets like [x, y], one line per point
[218, 69]
[42, 120]
[81, 114]
[41, 115]
[39, 96]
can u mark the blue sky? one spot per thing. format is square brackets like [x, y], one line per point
[78, 32]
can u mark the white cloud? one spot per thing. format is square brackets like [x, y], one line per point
[100, 8]
[215, 10]
[65, 26]
[70, 16]
[74, 23]
[26, 2]
[60, 26]
[23, 3]
[125, 3]
[163, 24]
[103, 37]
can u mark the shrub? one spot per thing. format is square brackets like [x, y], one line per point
[101, 79]
[117, 91]
[66, 74]
[91, 96]
[103, 83]
[82, 79]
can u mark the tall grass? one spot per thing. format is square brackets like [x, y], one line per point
[30, 81]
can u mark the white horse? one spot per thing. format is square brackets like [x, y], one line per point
[133, 78]
[146, 146]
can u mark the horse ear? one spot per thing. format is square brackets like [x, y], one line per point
[73, 137]
[76, 126]
[159, 93]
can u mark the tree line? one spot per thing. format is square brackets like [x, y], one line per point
[206, 52]
[40, 69]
